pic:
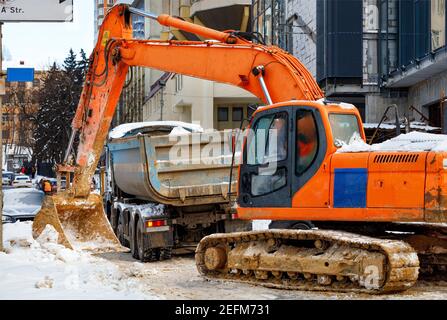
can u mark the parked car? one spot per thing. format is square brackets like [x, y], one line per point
[7, 178]
[22, 181]
[8, 219]
[21, 204]
[6, 181]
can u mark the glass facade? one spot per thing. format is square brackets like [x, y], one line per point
[410, 31]
[138, 24]
[269, 20]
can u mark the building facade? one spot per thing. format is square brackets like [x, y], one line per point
[19, 105]
[153, 95]
[372, 53]
[210, 104]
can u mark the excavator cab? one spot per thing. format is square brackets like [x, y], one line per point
[286, 147]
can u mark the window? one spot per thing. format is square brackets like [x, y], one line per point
[268, 140]
[238, 114]
[222, 114]
[269, 20]
[307, 141]
[438, 23]
[178, 83]
[5, 134]
[267, 147]
[344, 128]
[250, 110]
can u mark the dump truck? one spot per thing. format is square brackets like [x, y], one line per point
[379, 213]
[168, 191]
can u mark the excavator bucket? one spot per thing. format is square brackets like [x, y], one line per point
[81, 223]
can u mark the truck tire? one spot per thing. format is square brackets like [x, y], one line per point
[165, 254]
[145, 254]
[120, 231]
[133, 240]
[297, 225]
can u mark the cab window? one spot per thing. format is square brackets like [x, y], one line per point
[307, 140]
[267, 147]
[344, 128]
[267, 142]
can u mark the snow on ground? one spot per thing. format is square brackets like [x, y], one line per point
[259, 225]
[411, 142]
[42, 269]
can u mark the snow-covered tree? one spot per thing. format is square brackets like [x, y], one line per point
[58, 100]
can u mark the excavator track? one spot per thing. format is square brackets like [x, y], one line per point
[316, 260]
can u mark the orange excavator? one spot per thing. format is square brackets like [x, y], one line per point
[374, 215]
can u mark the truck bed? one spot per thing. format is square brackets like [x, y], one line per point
[174, 171]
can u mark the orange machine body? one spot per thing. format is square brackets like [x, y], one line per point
[382, 186]
[364, 186]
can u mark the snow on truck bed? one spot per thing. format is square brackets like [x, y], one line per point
[411, 142]
[177, 127]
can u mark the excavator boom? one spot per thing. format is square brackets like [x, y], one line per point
[268, 72]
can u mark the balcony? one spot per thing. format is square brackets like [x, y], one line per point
[222, 14]
[419, 70]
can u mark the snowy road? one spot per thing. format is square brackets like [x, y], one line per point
[44, 270]
[179, 279]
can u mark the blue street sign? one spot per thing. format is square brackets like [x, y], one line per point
[20, 75]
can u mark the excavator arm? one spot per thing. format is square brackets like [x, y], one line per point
[268, 72]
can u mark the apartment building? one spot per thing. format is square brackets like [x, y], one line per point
[19, 104]
[210, 104]
[153, 95]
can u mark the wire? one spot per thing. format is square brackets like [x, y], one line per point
[106, 67]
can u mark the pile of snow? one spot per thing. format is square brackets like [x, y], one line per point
[411, 142]
[122, 130]
[179, 131]
[42, 269]
[390, 126]
[261, 225]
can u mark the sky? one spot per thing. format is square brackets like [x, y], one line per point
[40, 44]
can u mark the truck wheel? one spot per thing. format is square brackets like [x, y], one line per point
[145, 254]
[165, 254]
[304, 225]
[297, 225]
[133, 241]
[120, 232]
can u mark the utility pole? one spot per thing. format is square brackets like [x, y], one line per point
[1, 135]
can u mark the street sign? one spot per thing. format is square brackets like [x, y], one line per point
[20, 75]
[36, 10]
